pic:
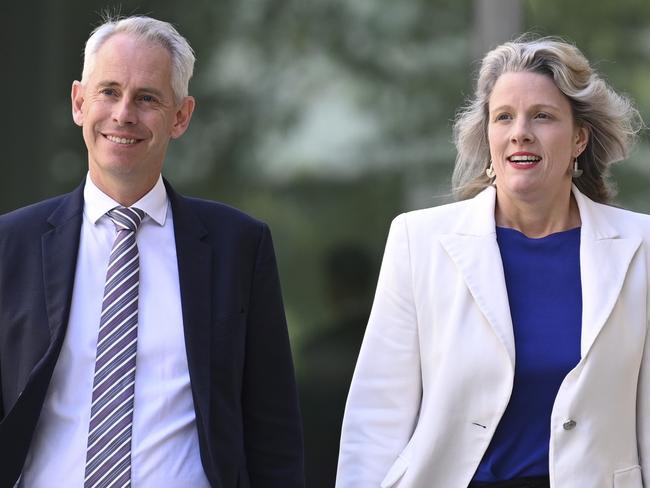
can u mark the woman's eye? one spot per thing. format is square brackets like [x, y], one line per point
[147, 98]
[502, 117]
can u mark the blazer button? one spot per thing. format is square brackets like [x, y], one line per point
[569, 424]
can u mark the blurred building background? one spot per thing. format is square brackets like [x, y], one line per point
[325, 118]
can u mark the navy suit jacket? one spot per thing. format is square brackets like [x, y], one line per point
[238, 351]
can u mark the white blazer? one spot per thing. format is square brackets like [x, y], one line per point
[436, 367]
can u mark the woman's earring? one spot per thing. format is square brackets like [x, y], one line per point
[577, 172]
[490, 171]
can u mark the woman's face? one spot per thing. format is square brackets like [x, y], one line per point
[533, 139]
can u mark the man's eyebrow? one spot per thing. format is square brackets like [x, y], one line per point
[107, 83]
[153, 91]
[144, 89]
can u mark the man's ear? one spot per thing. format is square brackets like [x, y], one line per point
[183, 116]
[77, 96]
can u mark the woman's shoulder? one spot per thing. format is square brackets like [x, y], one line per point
[474, 215]
[442, 219]
[626, 222]
[446, 210]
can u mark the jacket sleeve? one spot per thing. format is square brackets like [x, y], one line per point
[643, 399]
[272, 424]
[385, 394]
[2, 405]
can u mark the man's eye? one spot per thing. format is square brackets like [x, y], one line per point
[107, 91]
[147, 98]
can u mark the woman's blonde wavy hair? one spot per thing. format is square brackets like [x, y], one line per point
[611, 119]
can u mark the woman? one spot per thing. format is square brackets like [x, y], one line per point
[508, 343]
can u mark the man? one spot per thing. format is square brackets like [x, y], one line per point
[142, 334]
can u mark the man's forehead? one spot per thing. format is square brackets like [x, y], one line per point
[126, 58]
[127, 47]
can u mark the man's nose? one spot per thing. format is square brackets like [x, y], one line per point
[124, 112]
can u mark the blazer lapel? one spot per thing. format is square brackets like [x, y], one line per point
[604, 261]
[60, 246]
[195, 277]
[474, 250]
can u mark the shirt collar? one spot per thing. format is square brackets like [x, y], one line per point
[97, 203]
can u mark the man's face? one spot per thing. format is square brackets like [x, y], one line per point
[127, 111]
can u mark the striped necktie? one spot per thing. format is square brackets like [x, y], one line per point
[108, 455]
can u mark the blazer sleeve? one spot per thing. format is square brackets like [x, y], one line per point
[272, 424]
[643, 402]
[385, 394]
[2, 404]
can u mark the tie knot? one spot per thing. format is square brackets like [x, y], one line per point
[126, 218]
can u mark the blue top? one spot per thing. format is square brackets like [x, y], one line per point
[543, 282]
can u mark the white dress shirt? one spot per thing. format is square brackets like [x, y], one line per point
[165, 450]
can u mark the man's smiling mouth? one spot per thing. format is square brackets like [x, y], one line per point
[120, 140]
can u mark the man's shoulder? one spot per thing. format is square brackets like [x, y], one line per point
[35, 214]
[218, 209]
[215, 215]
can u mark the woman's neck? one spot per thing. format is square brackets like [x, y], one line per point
[534, 219]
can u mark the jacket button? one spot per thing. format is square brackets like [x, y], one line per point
[569, 424]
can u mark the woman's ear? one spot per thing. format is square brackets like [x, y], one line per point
[581, 140]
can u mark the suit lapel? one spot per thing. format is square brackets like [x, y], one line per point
[60, 246]
[195, 277]
[475, 252]
[604, 261]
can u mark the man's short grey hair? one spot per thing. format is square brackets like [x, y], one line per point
[611, 119]
[148, 29]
